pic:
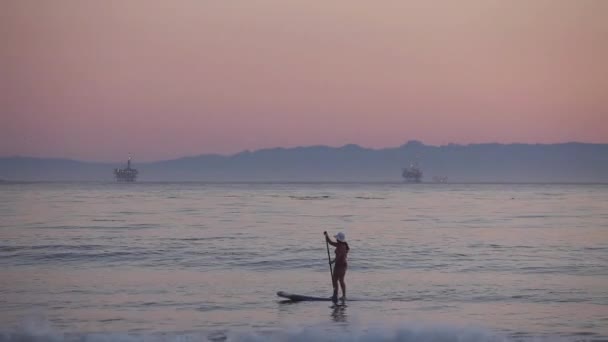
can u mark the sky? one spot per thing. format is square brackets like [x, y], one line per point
[97, 80]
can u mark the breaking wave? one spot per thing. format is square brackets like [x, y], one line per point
[39, 331]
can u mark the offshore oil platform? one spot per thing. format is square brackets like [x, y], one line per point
[412, 174]
[128, 174]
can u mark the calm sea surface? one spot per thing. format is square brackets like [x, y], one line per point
[197, 262]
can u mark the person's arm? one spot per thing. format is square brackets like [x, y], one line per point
[335, 244]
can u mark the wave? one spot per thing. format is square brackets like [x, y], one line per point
[97, 227]
[405, 332]
[38, 255]
[108, 220]
[310, 197]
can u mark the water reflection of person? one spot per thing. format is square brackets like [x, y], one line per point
[338, 313]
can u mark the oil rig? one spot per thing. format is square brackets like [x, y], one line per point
[412, 174]
[126, 175]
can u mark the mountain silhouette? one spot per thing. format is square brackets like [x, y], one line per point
[566, 162]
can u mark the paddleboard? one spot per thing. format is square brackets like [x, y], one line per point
[302, 298]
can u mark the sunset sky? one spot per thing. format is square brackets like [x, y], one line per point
[97, 79]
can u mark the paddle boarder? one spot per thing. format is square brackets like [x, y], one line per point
[339, 262]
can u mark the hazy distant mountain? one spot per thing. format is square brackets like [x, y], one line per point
[568, 162]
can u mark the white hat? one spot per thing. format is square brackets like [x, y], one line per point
[340, 237]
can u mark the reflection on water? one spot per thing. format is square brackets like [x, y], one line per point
[338, 313]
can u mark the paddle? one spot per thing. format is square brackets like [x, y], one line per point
[331, 272]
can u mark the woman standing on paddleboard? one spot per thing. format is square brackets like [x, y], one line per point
[339, 262]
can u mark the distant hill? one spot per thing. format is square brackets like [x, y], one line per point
[567, 162]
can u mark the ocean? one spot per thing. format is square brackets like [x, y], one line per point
[203, 262]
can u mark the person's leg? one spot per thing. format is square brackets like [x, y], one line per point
[334, 281]
[343, 286]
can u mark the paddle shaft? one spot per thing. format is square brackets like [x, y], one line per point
[331, 272]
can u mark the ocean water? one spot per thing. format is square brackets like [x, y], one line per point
[203, 262]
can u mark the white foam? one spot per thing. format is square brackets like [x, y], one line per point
[37, 329]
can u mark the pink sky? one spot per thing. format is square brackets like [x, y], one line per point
[161, 79]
